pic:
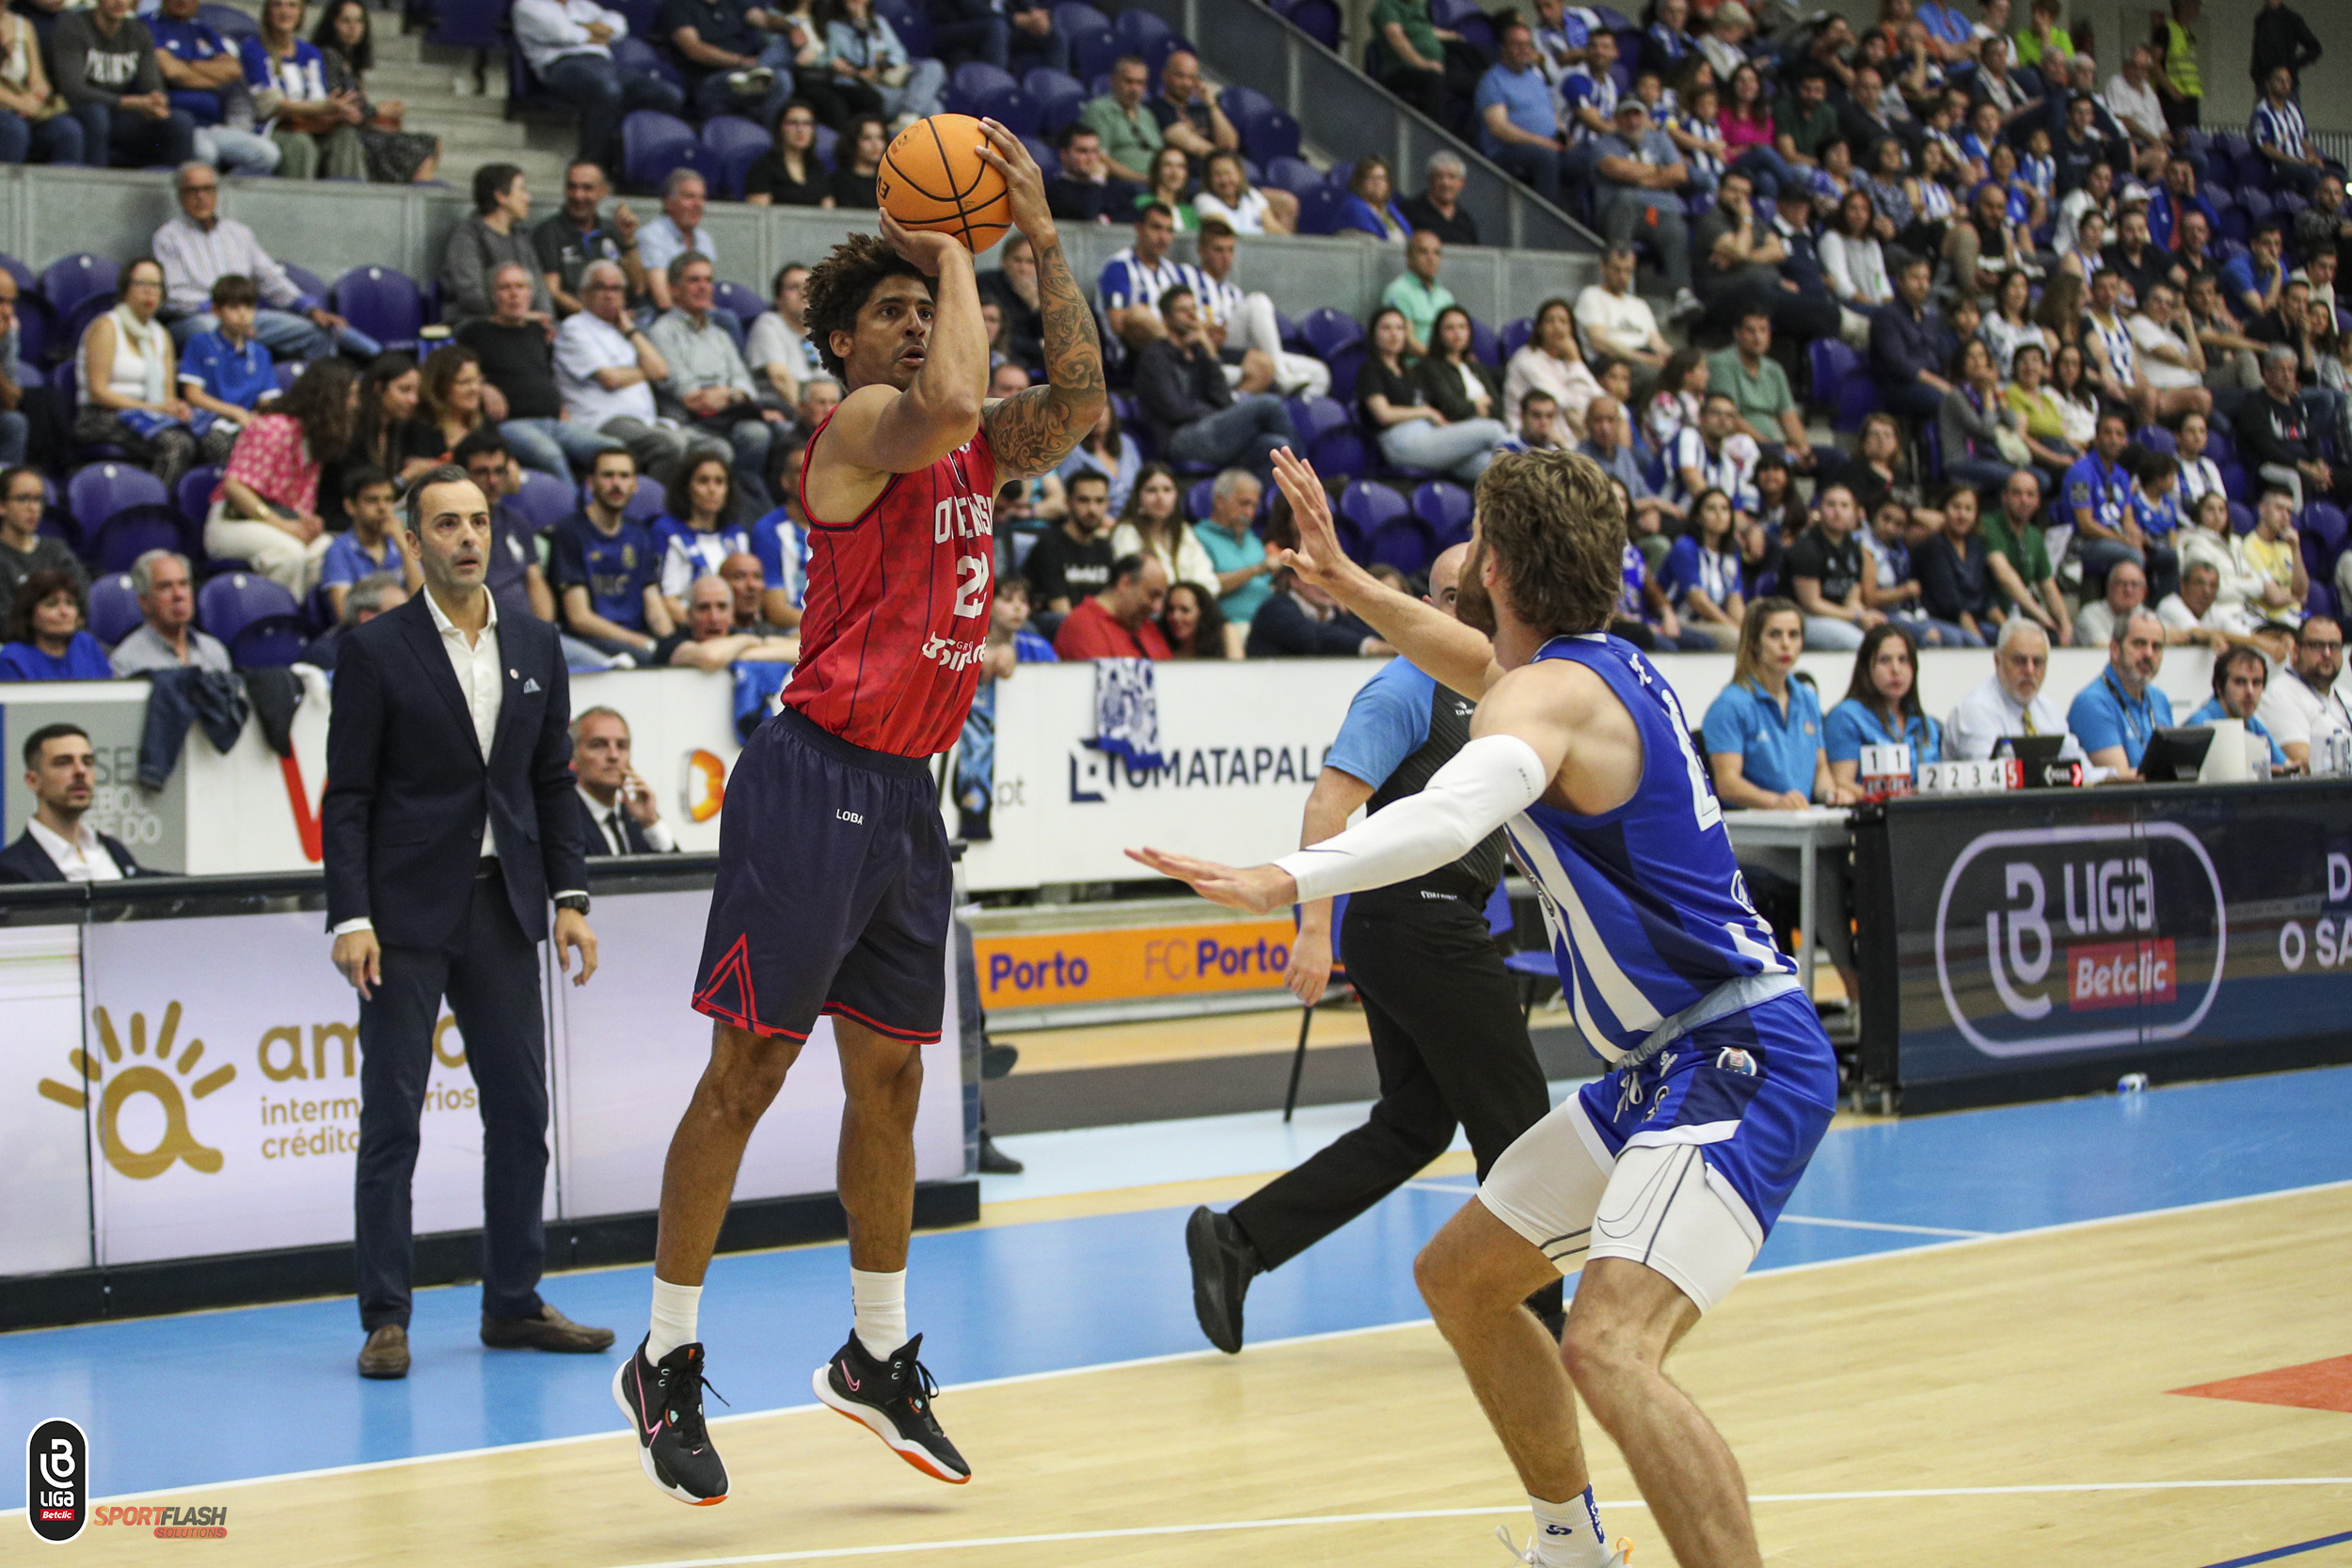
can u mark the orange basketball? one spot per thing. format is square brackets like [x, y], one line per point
[933, 178]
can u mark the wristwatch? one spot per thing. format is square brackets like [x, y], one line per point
[575, 902]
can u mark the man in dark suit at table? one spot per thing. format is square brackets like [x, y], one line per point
[619, 814]
[56, 845]
[449, 816]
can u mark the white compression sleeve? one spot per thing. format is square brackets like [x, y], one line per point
[1489, 781]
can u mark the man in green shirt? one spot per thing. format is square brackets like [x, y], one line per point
[1415, 289]
[1410, 59]
[1804, 120]
[1244, 562]
[1130, 135]
[1759, 388]
[2018, 554]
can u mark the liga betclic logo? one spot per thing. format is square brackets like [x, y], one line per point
[56, 1494]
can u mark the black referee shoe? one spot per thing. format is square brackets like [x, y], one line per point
[664, 1405]
[1223, 1263]
[893, 1399]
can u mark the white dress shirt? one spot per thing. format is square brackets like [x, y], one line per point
[551, 29]
[616, 837]
[2292, 711]
[1988, 712]
[80, 858]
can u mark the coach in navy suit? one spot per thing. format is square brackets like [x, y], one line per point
[58, 845]
[448, 819]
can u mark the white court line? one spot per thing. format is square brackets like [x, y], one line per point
[823, 1554]
[1202, 1355]
[1899, 1229]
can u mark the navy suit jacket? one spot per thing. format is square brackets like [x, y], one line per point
[25, 861]
[407, 790]
[591, 832]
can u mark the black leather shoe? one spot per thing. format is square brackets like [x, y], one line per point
[550, 1330]
[1223, 1263]
[995, 1162]
[386, 1353]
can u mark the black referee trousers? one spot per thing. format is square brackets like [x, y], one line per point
[1452, 1049]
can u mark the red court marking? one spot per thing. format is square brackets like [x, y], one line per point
[2314, 1385]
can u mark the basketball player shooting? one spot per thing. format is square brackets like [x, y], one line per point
[834, 884]
[1660, 1180]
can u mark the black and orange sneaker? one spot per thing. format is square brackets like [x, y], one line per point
[893, 1399]
[664, 1403]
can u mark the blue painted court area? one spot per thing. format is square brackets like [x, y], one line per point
[214, 1397]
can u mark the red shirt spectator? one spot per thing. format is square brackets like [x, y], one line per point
[1121, 621]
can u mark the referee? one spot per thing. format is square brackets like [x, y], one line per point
[1447, 1033]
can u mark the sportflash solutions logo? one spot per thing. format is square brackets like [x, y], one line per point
[2079, 923]
[56, 1494]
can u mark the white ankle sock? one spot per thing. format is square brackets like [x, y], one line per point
[880, 1303]
[675, 1309]
[1567, 1534]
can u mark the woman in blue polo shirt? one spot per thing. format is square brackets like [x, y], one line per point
[1882, 708]
[1765, 748]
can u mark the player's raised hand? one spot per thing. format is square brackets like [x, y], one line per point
[1025, 183]
[926, 250]
[1317, 556]
[1258, 889]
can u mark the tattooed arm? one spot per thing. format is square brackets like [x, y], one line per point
[1033, 431]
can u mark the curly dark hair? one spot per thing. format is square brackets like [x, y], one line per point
[1556, 531]
[839, 287]
[33, 591]
[320, 400]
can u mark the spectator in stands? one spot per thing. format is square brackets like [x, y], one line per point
[23, 549]
[577, 234]
[620, 814]
[1637, 171]
[705, 638]
[719, 44]
[1226, 196]
[1073, 559]
[2132, 100]
[701, 526]
[1737, 268]
[2099, 503]
[2127, 590]
[1518, 125]
[1955, 571]
[2011, 701]
[347, 42]
[1826, 574]
[789, 174]
[2008, 325]
[1010, 625]
[315, 128]
[265, 509]
[1194, 412]
[998, 33]
[1758, 388]
[390, 433]
[127, 382]
[708, 377]
[1154, 524]
[1371, 206]
[1882, 468]
[1549, 362]
[227, 372]
[518, 360]
[2116, 715]
[820, 396]
[779, 350]
[1711, 455]
[1396, 408]
[1082, 189]
[1881, 708]
[568, 46]
[1540, 426]
[1416, 293]
[28, 132]
[1457, 384]
[1608, 441]
[2171, 203]
[199, 247]
[2276, 432]
[1890, 582]
[1439, 207]
[1854, 266]
[606, 368]
[606, 569]
[2019, 557]
[58, 845]
[747, 578]
[2141, 361]
[1428, 65]
[1299, 619]
[2274, 551]
[1134, 279]
[494, 235]
[1980, 432]
[1701, 574]
[1188, 114]
[104, 60]
[2197, 614]
[1109, 452]
[1122, 621]
[15, 421]
[685, 198]
[456, 400]
[1128, 131]
[374, 542]
[866, 50]
[2240, 678]
[45, 636]
[1910, 345]
[1242, 325]
[2304, 705]
[1615, 320]
[165, 637]
[1243, 564]
[368, 598]
[1171, 176]
[1193, 624]
[2253, 283]
[2278, 132]
[203, 74]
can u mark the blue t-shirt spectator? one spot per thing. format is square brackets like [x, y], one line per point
[2101, 485]
[301, 79]
[1851, 727]
[192, 42]
[687, 555]
[615, 568]
[2211, 714]
[1946, 23]
[1580, 89]
[1030, 647]
[347, 560]
[238, 375]
[1387, 721]
[84, 660]
[2158, 515]
[2240, 279]
[1713, 575]
[1127, 280]
[1526, 100]
[1778, 752]
[2103, 716]
[782, 545]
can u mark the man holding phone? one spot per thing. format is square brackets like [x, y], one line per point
[623, 817]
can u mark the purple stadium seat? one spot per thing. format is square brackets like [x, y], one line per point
[25, 282]
[1091, 49]
[2154, 437]
[1237, 100]
[637, 55]
[1444, 506]
[1199, 498]
[1061, 98]
[652, 143]
[70, 280]
[1344, 366]
[544, 500]
[1138, 30]
[1329, 331]
[1269, 136]
[194, 495]
[735, 167]
[1368, 505]
[40, 338]
[648, 503]
[76, 320]
[1319, 20]
[100, 491]
[475, 25]
[133, 532]
[114, 607]
[723, 133]
[1835, 365]
[1485, 346]
[382, 302]
[2241, 519]
[1337, 452]
[1311, 417]
[1405, 542]
[1294, 175]
[2324, 528]
[228, 604]
[1516, 334]
[305, 279]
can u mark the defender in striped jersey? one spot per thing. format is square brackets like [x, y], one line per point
[1661, 1180]
[833, 881]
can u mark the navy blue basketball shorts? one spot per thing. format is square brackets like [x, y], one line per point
[835, 890]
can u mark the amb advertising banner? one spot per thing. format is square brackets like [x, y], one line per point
[2069, 926]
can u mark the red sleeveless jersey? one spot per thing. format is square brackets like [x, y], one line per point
[895, 614]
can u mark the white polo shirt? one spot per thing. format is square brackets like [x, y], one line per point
[585, 345]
